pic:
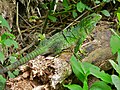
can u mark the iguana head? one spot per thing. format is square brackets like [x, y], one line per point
[90, 19]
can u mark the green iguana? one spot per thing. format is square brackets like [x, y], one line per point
[59, 41]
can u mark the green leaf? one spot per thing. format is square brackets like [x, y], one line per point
[2, 82]
[100, 85]
[4, 23]
[118, 16]
[65, 4]
[3, 37]
[8, 42]
[15, 44]
[11, 75]
[12, 59]
[115, 66]
[105, 12]
[52, 18]
[41, 37]
[101, 74]
[118, 0]
[6, 34]
[81, 7]
[88, 66]
[116, 81]
[73, 87]
[114, 43]
[77, 69]
[2, 57]
[10, 35]
[118, 58]
[74, 13]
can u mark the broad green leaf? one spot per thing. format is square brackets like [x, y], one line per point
[11, 75]
[12, 59]
[8, 42]
[7, 39]
[101, 74]
[81, 7]
[105, 12]
[2, 82]
[116, 81]
[118, 16]
[77, 69]
[4, 23]
[100, 85]
[114, 43]
[88, 8]
[52, 18]
[10, 35]
[73, 87]
[3, 37]
[115, 66]
[15, 44]
[65, 4]
[118, 58]
[74, 13]
[88, 66]
[2, 57]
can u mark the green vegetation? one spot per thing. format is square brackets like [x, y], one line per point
[75, 33]
[7, 40]
[83, 69]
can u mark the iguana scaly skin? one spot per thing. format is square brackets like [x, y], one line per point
[59, 41]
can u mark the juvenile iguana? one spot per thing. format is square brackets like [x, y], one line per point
[59, 41]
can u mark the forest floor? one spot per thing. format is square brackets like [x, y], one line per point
[49, 72]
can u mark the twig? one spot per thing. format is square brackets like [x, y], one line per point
[24, 20]
[115, 33]
[26, 48]
[80, 17]
[75, 20]
[17, 23]
[39, 12]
